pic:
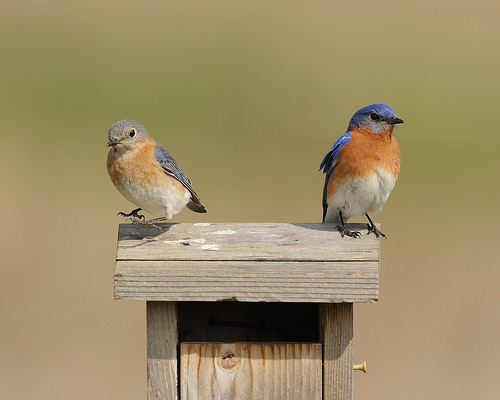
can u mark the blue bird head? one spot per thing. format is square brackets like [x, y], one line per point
[377, 117]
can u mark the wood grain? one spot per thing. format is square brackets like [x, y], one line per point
[246, 262]
[245, 241]
[246, 281]
[264, 371]
[162, 350]
[337, 333]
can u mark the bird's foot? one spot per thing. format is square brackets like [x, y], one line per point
[344, 231]
[140, 221]
[373, 229]
[134, 214]
[136, 218]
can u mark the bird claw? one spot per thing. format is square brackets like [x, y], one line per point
[133, 214]
[135, 218]
[375, 230]
[343, 231]
[140, 221]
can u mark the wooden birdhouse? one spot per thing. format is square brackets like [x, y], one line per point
[248, 310]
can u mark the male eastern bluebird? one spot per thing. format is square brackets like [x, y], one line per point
[361, 168]
[147, 175]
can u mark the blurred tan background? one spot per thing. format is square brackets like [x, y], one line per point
[248, 96]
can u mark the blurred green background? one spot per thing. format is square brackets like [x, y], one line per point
[248, 96]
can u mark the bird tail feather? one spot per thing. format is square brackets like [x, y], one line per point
[196, 206]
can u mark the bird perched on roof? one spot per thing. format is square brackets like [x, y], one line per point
[361, 168]
[147, 175]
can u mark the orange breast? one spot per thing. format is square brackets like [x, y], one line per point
[138, 167]
[363, 155]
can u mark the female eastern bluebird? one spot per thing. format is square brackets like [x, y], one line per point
[147, 175]
[361, 168]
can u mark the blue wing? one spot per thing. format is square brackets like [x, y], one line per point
[170, 166]
[329, 163]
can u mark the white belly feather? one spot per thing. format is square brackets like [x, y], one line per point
[360, 196]
[160, 201]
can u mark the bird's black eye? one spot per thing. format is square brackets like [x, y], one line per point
[374, 117]
[132, 133]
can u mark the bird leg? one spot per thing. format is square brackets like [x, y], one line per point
[344, 231]
[147, 223]
[133, 214]
[160, 219]
[137, 218]
[152, 222]
[372, 228]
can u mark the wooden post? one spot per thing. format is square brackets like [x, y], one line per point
[337, 331]
[276, 294]
[162, 350]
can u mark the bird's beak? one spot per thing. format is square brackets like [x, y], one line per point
[112, 142]
[395, 120]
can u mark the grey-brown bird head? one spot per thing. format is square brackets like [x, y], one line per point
[126, 133]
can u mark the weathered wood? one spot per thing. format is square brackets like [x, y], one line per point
[162, 350]
[267, 371]
[246, 281]
[246, 262]
[251, 263]
[337, 333]
[245, 241]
